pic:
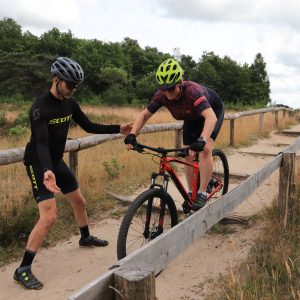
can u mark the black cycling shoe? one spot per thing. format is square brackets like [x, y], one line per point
[186, 206]
[27, 279]
[92, 241]
[200, 201]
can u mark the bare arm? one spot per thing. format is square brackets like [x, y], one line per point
[209, 123]
[140, 121]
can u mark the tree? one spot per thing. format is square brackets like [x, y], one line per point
[56, 43]
[10, 36]
[146, 86]
[109, 76]
[260, 79]
[117, 72]
[188, 64]
[27, 76]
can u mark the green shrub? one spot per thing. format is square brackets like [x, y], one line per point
[113, 168]
[17, 98]
[17, 222]
[3, 120]
[17, 131]
[22, 119]
[116, 96]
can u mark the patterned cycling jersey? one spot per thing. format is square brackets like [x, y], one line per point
[194, 99]
[49, 119]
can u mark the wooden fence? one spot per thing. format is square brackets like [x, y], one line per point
[73, 146]
[156, 255]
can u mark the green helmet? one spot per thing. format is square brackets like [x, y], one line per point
[169, 73]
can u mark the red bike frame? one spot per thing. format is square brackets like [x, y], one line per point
[165, 166]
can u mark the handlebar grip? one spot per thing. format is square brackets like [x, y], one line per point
[184, 153]
[137, 148]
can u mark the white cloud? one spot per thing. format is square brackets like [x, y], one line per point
[239, 29]
[41, 14]
[263, 11]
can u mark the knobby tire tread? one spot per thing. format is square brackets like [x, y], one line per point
[223, 158]
[132, 209]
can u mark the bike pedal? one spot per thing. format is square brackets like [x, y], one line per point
[186, 208]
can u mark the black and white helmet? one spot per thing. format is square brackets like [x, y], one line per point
[67, 70]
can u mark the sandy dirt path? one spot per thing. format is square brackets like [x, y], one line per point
[66, 268]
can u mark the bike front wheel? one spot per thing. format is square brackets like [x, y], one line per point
[150, 214]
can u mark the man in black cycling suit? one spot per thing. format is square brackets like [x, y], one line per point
[50, 116]
[201, 109]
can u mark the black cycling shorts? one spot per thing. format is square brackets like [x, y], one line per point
[65, 180]
[193, 128]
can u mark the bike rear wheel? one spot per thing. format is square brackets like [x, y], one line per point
[150, 214]
[220, 172]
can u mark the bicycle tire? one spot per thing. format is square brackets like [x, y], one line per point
[131, 218]
[221, 169]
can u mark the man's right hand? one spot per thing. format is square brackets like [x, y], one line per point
[50, 182]
[130, 141]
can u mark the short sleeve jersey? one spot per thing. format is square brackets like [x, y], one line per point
[194, 99]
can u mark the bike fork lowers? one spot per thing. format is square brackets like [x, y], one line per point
[151, 233]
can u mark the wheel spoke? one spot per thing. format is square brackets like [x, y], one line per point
[133, 229]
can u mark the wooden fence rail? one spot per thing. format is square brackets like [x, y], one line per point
[15, 155]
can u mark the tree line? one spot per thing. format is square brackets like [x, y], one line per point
[116, 73]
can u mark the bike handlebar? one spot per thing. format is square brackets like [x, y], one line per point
[181, 152]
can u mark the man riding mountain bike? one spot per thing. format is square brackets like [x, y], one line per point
[202, 111]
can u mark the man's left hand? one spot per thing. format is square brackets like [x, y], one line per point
[125, 128]
[199, 145]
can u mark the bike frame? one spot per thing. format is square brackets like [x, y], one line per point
[165, 166]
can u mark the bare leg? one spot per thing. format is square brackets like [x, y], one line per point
[79, 207]
[47, 218]
[189, 171]
[78, 203]
[206, 165]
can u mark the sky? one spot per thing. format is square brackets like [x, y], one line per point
[237, 28]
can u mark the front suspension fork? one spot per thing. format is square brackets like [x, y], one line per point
[161, 206]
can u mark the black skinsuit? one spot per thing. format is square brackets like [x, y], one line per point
[49, 119]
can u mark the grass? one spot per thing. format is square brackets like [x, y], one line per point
[272, 269]
[105, 168]
[222, 229]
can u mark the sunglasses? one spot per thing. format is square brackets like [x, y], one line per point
[71, 85]
[171, 89]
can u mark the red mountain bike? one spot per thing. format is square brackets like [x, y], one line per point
[154, 210]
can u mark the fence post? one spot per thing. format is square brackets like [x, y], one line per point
[284, 118]
[286, 182]
[231, 143]
[178, 133]
[134, 282]
[261, 123]
[276, 120]
[73, 162]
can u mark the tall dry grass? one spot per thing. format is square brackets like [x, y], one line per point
[272, 269]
